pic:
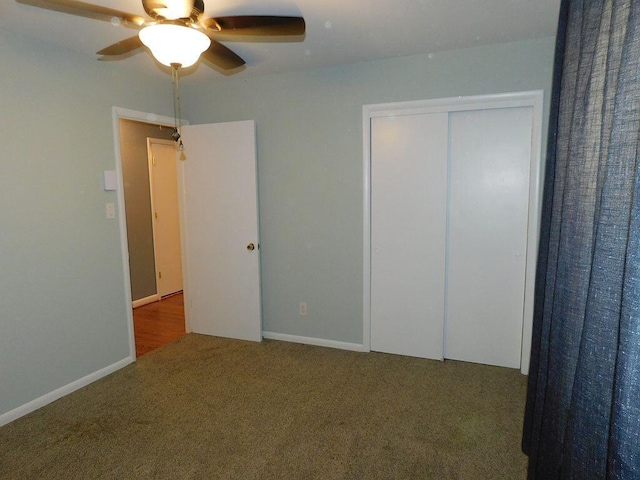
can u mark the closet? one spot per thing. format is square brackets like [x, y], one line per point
[453, 214]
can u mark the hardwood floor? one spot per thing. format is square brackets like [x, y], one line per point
[158, 323]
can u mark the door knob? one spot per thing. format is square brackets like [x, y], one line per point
[251, 246]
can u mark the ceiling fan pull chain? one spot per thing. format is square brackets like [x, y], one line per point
[175, 80]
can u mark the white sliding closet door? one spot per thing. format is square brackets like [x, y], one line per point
[453, 227]
[408, 184]
[489, 163]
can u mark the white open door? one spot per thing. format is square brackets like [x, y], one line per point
[220, 212]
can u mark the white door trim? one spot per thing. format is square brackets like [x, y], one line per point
[507, 100]
[118, 113]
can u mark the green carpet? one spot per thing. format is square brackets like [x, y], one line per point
[212, 408]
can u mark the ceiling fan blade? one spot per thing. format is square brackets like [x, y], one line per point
[223, 57]
[122, 47]
[87, 10]
[256, 25]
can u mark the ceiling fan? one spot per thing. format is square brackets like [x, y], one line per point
[177, 33]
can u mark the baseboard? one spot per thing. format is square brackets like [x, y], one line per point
[29, 407]
[145, 301]
[319, 342]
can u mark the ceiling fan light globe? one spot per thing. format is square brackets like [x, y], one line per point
[174, 44]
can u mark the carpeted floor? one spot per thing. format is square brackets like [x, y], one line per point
[212, 408]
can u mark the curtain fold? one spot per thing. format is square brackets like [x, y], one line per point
[582, 416]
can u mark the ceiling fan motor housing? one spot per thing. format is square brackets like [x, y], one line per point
[174, 9]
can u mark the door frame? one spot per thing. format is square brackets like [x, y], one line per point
[532, 99]
[118, 113]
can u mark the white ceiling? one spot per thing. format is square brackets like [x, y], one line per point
[338, 31]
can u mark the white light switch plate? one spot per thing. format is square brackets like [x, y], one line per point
[110, 180]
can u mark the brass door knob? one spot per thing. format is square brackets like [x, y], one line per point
[251, 246]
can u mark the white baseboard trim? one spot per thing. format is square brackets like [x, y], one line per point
[29, 407]
[319, 342]
[145, 301]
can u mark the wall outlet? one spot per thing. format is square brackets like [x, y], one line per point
[302, 308]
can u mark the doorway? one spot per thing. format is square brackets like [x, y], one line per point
[221, 265]
[153, 321]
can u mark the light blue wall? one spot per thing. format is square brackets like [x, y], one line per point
[62, 297]
[309, 128]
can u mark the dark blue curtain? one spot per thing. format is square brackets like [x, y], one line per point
[583, 406]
